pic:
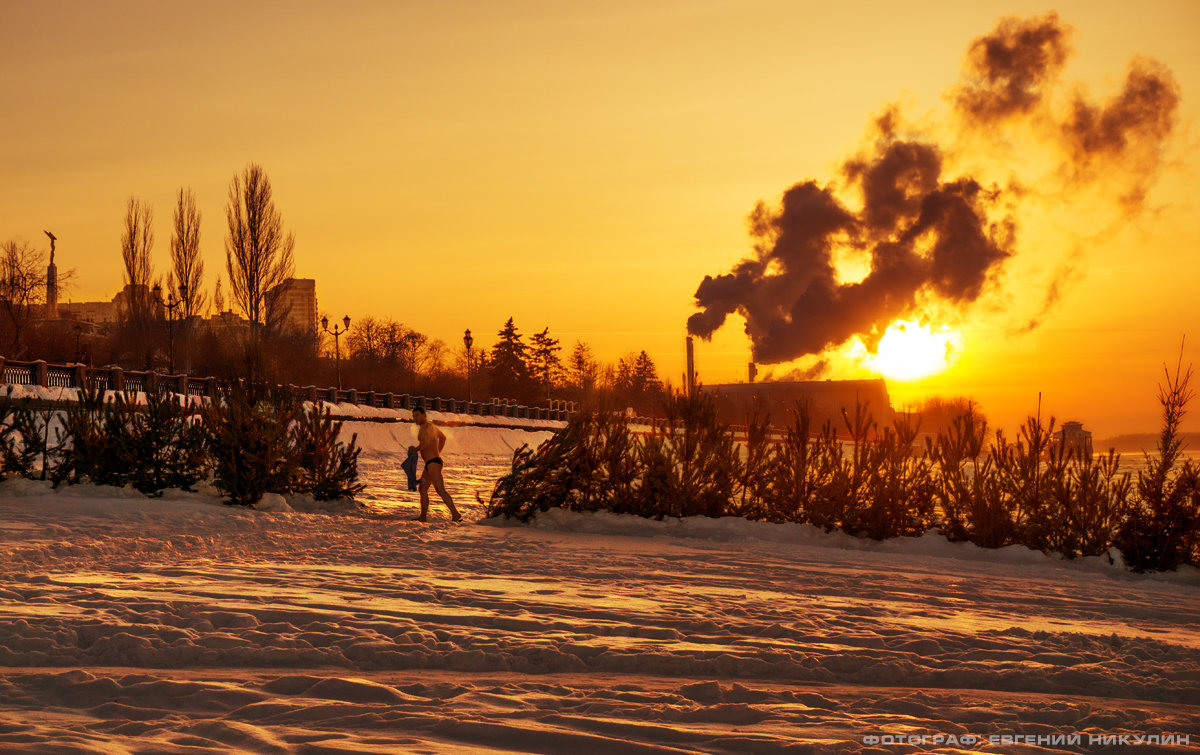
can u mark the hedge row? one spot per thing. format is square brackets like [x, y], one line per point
[249, 441]
[873, 482]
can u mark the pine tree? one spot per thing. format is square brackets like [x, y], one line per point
[167, 446]
[582, 368]
[250, 442]
[636, 381]
[326, 467]
[509, 364]
[547, 367]
[645, 374]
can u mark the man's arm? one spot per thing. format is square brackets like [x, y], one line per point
[441, 441]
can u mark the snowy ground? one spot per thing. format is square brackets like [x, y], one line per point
[129, 625]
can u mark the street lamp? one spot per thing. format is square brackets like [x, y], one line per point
[337, 352]
[171, 305]
[78, 331]
[467, 341]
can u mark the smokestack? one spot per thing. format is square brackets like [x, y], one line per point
[691, 368]
[753, 372]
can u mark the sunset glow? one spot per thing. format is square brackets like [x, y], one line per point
[910, 350]
[583, 168]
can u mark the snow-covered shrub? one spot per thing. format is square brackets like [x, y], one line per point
[895, 497]
[1162, 528]
[153, 445]
[590, 465]
[166, 444]
[1030, 491]
[690, 461]
[812, 479]
[40, 445]
[325, 467]
[250, 442]
[968, 489]
[15, 456]
[95, 440]
[1095, 504]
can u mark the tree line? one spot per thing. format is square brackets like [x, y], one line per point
[158, 324]
[383, 354]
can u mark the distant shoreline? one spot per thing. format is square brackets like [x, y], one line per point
[1144, 441]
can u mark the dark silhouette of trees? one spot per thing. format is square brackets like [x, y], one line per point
[937, 414]
[186, 263]
[636, 381]
[382, 354]
[22, 290]
[258, 253]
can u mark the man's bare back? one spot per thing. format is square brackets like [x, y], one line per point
[430, 442]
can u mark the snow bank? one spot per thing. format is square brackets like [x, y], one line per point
[136, 625]
[734, 529]
[461, 441]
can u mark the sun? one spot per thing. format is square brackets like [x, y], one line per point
[910, 351]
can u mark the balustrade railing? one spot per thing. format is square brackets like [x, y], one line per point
[67, 376]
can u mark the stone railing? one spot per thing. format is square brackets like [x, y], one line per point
[39, 373]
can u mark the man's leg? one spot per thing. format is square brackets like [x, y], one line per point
[439, 485]
[424, 488]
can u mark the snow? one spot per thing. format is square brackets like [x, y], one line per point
[178, 624]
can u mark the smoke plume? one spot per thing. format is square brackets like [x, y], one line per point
[934, 239]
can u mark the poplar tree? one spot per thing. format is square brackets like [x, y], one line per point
[258, 253]
[185, 253]
[137, 239]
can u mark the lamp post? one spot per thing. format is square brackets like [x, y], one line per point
[468, 341]
[337, 352]
[171, 305]
[78, 331]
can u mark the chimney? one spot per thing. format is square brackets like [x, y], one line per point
[753, 372]
[691, 368]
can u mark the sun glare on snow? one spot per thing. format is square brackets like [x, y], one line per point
[910, 350]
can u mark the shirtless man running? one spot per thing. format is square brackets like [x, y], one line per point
[430, 442]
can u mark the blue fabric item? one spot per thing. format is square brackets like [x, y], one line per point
[409, 466]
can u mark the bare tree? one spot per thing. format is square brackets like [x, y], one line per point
[258, 254]
[136, 241]
[22, 289]
[185, 252]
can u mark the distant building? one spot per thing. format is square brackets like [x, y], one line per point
[295, 300]
[826, 400]
[226, 321]
[1074, 440]
[95, 312]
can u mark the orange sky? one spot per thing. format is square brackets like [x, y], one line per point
[577, 166]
